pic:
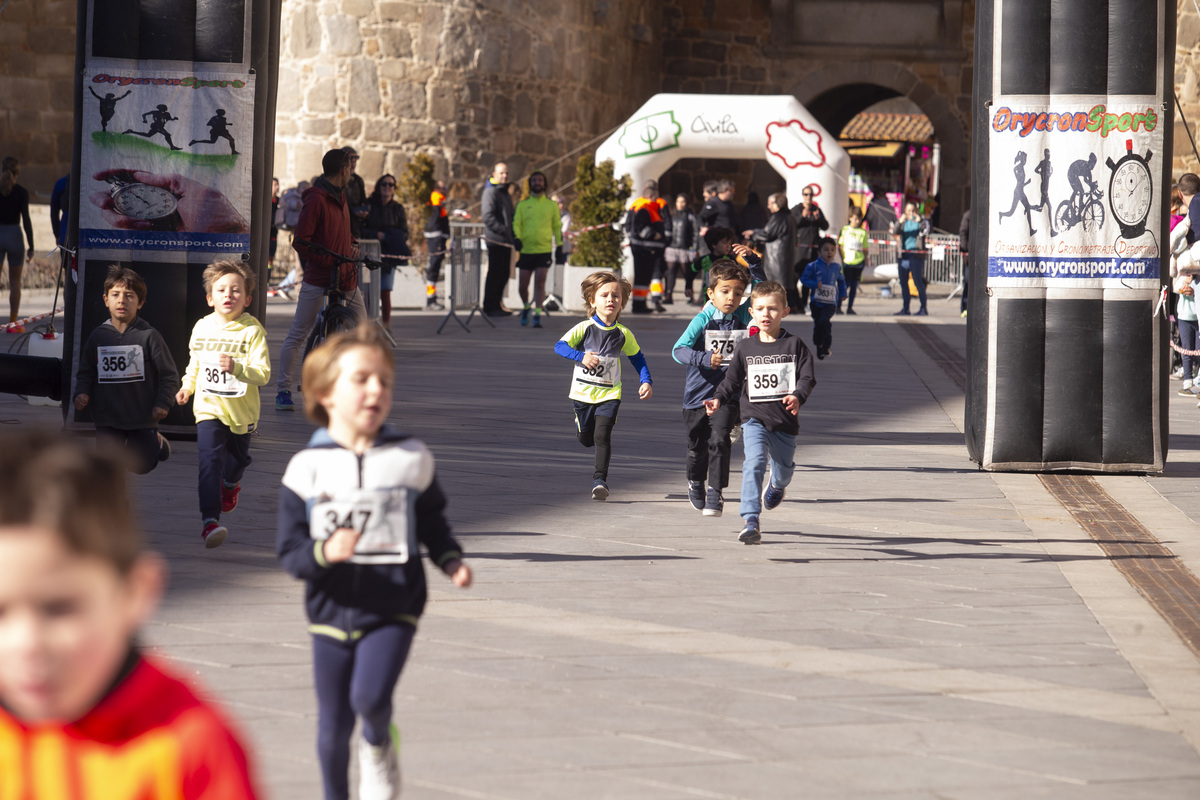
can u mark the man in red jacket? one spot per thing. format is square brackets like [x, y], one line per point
[324, 221]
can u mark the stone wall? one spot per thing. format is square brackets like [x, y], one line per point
[1187, 88]
[37, 65]
[467, 83]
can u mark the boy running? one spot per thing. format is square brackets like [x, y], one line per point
[824, 277]
[126, 374]
[229, 362]
[597, 344]
[705, 348]
[853, 242]
[770, 376]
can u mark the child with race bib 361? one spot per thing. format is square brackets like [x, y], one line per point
[229, 361]
[355, 506]
[771, 375]
[597, 344]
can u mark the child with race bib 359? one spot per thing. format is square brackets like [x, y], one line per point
[229, 361]
[771, 375]
[355, 506]
[597, 344]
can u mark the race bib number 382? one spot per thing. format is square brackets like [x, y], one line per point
[603, 375]
[120, 364]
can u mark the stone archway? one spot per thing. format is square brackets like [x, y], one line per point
[835, 93]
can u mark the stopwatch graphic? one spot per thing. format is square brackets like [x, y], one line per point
[1130, 191]
[156, 205]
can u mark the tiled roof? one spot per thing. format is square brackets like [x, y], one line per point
[871, 127]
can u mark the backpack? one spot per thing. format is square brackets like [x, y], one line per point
[290, 205]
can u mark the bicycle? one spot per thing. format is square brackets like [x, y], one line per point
[335, 314]
[1089, 213]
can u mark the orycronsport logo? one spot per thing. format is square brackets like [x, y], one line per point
[211, 242]
[1047, 268]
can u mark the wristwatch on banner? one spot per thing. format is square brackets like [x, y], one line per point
[1130, 190]
[156, 205]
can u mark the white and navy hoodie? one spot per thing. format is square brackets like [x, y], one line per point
[347, 599]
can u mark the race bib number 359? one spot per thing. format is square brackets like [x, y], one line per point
[120, 364]
[768, 382]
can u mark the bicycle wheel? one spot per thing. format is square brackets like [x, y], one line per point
[1093, 216]
[316, 336]
[339, 318]
[1062, 216]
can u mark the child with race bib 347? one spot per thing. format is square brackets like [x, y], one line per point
[229, 361]
[355, 506]
[597, 344]
[771, 375]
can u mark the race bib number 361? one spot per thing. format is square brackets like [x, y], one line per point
[211, 380]
[120, 364]
[768, 382]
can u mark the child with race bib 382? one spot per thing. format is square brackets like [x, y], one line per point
[597, 344]
[770, 375]
[229, 361]
[355, 506]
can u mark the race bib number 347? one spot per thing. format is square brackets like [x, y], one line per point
[380, 517]
[767, 382]
[120, 364]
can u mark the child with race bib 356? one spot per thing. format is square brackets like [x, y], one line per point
[597, 344]
[229, 361]
[355, 506]
[771, 375]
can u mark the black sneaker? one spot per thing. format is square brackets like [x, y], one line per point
[696, 494]
[772, 497]
[599, 490]
[714, 504]
[750, 533]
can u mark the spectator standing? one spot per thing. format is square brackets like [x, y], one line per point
[324, 221]
[778, 234]
[356, 195]
[497, 213]
[60, 208]
[14, 214]
[537, 226]
[566, 247]
[275, 220]
[437, 241]
[911, 228]
[753, 216]
[647, 240]
[681, 249]
[387, 222]
[810, 222]
[726, 218]
[710, 210]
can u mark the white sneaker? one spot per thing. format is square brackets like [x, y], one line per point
[379, 768]
[735, 433]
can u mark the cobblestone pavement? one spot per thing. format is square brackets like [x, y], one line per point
[909, 628]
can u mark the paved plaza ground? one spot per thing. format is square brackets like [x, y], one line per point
[910, 627]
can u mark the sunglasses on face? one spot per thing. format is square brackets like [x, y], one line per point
[387, 185]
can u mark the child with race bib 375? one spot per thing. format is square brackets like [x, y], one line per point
[229, 361]
[771, 375]
[597, 344]
[355, 506]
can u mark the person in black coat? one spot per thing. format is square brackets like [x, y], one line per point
[810, 222]
[388, 222]
[779, 235]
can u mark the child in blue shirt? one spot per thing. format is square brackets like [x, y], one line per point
[824, 277]
[597, 344]
[705, 348]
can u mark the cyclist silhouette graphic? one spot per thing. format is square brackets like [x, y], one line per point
[218, 128]
[1083, 206]
[159, 118]
[108, 106]
[1019, 198]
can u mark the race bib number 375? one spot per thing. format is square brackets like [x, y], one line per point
[722, 342]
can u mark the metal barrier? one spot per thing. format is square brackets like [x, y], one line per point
[368, 279]
[883, 249]
[464, 279]
[943, 260]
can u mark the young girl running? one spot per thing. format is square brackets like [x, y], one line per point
[354, 506]
[597, 344]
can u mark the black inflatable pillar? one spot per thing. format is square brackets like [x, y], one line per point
[1067, 359]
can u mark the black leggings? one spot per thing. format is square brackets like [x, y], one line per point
[355, 679]
[708, 443]
[595, 424]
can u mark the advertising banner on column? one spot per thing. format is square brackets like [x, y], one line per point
[1082, 205]
[161, 168]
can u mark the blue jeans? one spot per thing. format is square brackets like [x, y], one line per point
[1187, 340]
[913, 264]
[761, 444]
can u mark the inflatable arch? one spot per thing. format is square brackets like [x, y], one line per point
[1067, 357]
[776, 128]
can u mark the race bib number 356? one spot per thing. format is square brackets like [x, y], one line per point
[120, 364]
[768, 382]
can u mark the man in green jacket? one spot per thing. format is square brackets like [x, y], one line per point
[537, 226]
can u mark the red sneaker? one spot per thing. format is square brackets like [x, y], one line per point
[229, 498]
[214, 534]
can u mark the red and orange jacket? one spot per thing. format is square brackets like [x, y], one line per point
[150, 738]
